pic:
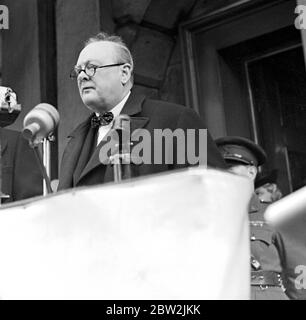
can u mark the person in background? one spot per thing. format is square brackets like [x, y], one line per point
[21, 177]
[244, 157]
[266, 187]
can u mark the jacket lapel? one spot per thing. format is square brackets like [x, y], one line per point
[71, 155]
[85, 154]
[93, 162]
[132, 107]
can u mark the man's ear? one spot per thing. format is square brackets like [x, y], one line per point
[252, 172]
[126, 71]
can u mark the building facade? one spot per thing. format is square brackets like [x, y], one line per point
[239, 64]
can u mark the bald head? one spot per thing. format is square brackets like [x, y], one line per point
[122, 51]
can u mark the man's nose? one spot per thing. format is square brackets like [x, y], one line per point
[82, 76]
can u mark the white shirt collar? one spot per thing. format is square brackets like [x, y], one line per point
[116, 111]
[117, 108]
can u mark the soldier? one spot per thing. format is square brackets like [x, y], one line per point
[266, 187]
[244, 157]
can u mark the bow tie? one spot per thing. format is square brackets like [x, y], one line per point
[101, 120]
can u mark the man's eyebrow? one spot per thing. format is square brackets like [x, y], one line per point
[95, 62]
[81, 64]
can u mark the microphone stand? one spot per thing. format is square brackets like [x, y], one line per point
[47, 164]
[43, 162]
[117, 161]
[122, 159]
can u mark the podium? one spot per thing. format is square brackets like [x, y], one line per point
[179, 235]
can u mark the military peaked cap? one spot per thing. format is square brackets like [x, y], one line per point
[242, 150]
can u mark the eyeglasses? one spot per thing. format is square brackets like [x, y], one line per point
[90, 69]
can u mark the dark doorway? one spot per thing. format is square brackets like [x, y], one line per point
[266, 75]
[277, 83]
[245, 75]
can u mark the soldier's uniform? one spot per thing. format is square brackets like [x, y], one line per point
[266, 265]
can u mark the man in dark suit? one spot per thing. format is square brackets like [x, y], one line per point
[104, 74]
[21, 177]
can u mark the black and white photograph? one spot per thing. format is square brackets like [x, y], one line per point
[153, 153]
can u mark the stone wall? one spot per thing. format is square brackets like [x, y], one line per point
[151, 30]
[0, 57]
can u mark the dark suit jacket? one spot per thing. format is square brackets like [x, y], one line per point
[78, 170]
[21, 177]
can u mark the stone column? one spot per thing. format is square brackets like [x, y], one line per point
[76, 20]
[20, 55]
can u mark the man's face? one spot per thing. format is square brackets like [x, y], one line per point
[244, 170]
[268, 192]
[102, 91]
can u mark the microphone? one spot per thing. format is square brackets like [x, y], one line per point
[122, 159]
[122, 127]
[40, 122]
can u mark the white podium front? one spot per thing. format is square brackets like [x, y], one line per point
[181, 235]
